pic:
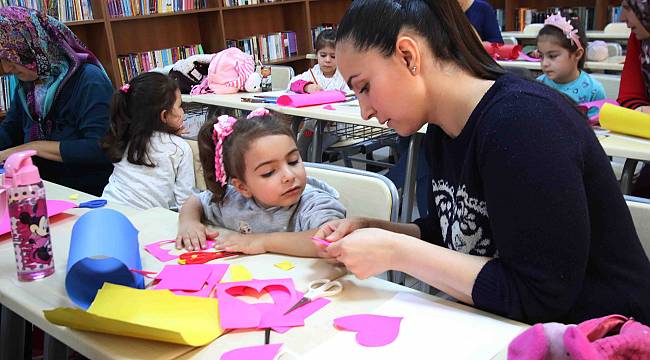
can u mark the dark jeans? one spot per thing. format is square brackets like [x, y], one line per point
[423, 175]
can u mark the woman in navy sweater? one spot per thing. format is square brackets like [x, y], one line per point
[60, 106]
[526, 218]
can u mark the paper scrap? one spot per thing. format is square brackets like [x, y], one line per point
[74, 197]
[329, 107]
[192, 280]
[239, 272]
[147, 314]
[372, 330]
[260, 352]
[285, 265]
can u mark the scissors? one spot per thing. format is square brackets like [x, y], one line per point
[318, 289]
[93, 204]
[202, 257]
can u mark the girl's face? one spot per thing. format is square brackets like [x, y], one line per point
[275, 174]
[386, 88]
[558, 63]
[327, 60]
[629, 17]
[21, 72]
[174, 116]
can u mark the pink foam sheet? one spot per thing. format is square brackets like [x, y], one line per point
[317, 98]
[54, 207]
[299, 314]
[193, 280]
[329, 107]
[260, 352]
[372, 330]
[164, 255]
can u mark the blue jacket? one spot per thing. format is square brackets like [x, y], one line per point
[81, 118]
[482, 16]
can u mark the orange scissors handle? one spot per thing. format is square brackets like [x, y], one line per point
[201, 257]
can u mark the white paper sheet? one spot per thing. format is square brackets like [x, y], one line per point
[428, 331]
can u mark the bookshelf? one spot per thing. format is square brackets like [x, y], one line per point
[510, 9]
[112, 37]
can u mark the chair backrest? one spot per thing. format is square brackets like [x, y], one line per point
[640, 210]
[510, 40]
[198, 169]
[610, 82]
[280, 76]
[617, 28]
[363, 193]
[533, 28]
[614, 49]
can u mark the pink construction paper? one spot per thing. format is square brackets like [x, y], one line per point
[593, 120]
[238, 314]
[260, 352]
[163, 255]
[317, 98]
[299, 314]
[184, 277]
[217, 274]
[329, 107]
[523, 56]
[372, 330]
[54, 207]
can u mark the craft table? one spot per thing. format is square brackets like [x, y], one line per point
[29, 299]
[614, 63]
[631, 148]
[343, 113]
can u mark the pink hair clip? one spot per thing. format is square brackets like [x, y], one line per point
[561, 23]
[224, 127]
[125, 88]
[258, 112]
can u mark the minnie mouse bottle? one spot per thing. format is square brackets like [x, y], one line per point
[30, 230]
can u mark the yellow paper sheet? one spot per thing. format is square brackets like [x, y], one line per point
[239, 272]
[285, 265]
[148, 314]
[625, 121]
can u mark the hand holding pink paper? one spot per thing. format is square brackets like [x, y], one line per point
[261, 352]
[372, 330]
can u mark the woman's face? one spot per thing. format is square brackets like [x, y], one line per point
[629, 17]
[21, 72]
[385, 86]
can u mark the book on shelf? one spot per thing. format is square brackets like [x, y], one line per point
[121, 8]
[526, 16]
[268, 47]
[231, 3]
[500, 15]
[7, 84]
[133, 64]
[614, 14]
[64, 10]
[318, 29]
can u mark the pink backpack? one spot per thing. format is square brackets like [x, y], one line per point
[227, 73]
[610, 337]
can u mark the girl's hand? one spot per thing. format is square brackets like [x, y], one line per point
[645, 109]
[366, 252]
[312, 88]
[192, 235]
[245, 243]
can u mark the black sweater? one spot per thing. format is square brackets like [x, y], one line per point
[527, 183]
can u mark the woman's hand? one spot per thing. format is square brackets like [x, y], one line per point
[312, 88]
[192, 235]
[644, 109]
[337, 229]
[366, 252]
[245, 243]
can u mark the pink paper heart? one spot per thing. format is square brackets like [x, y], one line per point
[260, 352]
[372, 330]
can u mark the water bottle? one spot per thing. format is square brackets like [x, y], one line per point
[23, 194]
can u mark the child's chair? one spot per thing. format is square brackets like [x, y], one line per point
[640, 210]
[363, 193]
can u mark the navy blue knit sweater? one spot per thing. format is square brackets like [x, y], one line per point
[527, 183]
[80, 115]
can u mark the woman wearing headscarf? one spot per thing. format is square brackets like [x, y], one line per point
[60, 106]
[634, 92]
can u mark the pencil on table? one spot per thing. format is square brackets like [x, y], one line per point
[313, 77]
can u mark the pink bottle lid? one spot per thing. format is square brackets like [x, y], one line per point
[20, 171]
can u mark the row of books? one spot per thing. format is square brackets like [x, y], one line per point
[229, 3]
[615, 14]
[268, 47]
[120, 8]
[133, 64]
[318, 29]
[64, 10]
[525, 16]
[6, 85]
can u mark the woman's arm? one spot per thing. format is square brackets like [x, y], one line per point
[632, 91]
[49, 150]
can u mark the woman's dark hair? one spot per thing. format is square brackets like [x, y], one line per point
[559, 37]
[326, 38]
[377, 24]
[135, 115]
[235, 147]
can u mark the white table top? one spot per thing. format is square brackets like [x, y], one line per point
[345, 112]
[624, 146]
[591, 35]
[614, 63]
[29, 299]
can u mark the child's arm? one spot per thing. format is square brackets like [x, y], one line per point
[289, 243]
[303, 84]
[191, 232]
[184, 174]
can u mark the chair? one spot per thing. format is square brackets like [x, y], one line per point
[199, 182]
[280, 76]
[614, 49]
[532, 28]
[510, 40]
[610, 82]
[363, 193]
[640, 210]
[617, 28]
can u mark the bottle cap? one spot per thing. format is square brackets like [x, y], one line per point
[19, 169]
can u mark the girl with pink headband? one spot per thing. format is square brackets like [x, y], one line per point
[561, 43]
[257, 187]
